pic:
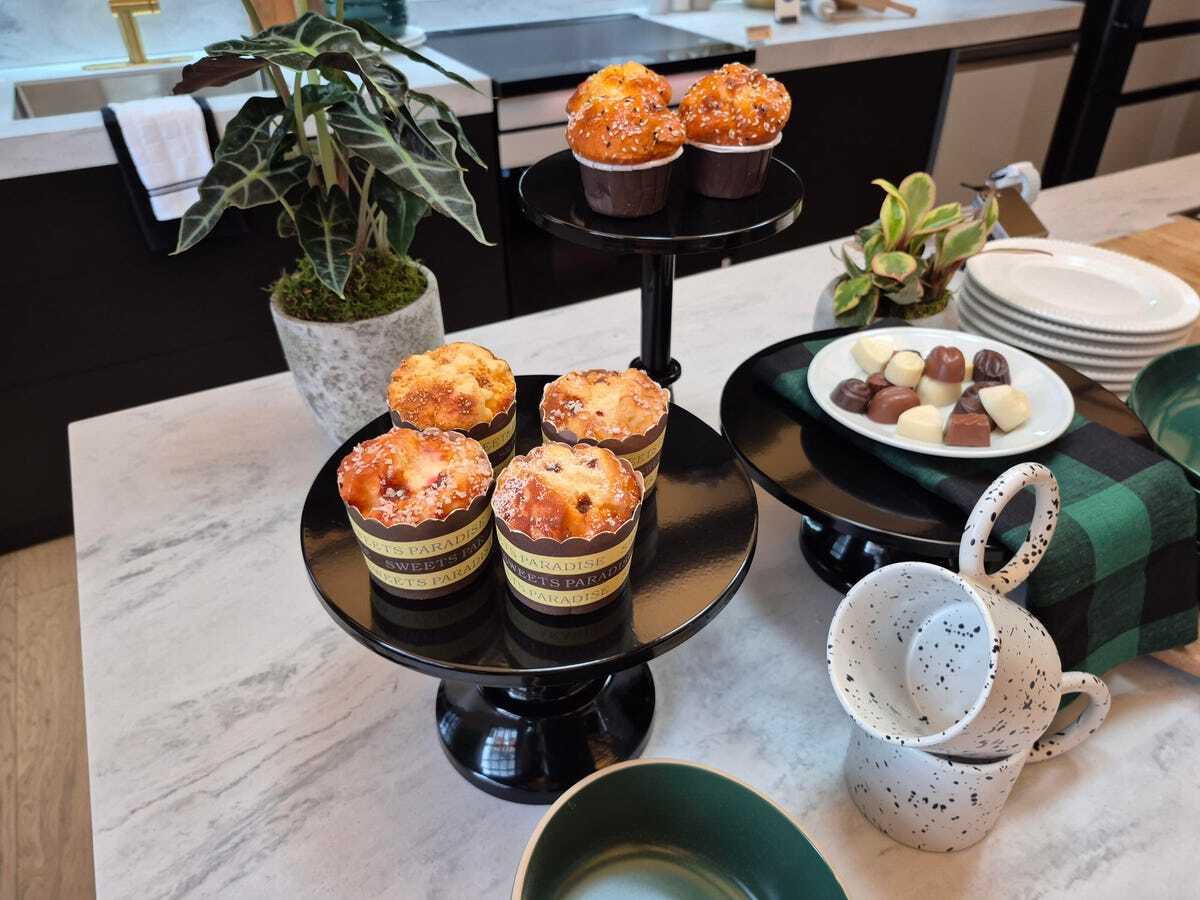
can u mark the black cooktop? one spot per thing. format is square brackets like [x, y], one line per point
[543, 56]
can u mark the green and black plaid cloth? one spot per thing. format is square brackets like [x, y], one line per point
[1120, 578]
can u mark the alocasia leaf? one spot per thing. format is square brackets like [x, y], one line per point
[369, 32]
[215, 71]
[894, 265]
[326, 225]
[446, 116]
[248, 169]
[296, 45]
[284, 226]
[402, 157]
[403, 210]
[849, 292]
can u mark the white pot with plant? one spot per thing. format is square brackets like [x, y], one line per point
[901, 265]
[355, 159]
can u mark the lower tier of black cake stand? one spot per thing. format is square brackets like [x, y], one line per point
[531, 744]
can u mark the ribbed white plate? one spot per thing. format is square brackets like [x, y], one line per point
[1102, 373]
[1050, 401]
[1084, 286]
[1083, 335]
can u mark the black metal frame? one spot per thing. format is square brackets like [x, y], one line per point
[1109, 34]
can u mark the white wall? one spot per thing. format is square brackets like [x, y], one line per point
[54, 31]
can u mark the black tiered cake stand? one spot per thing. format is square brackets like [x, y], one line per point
[552, 197]
[530, 703]
[857, 514]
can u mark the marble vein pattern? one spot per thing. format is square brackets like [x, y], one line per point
[242, 746]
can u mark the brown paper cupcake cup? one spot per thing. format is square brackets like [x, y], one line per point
[642, 451]
[729, 173]
[626, 192]
[498, 437]
[568, 577]
[429, 560]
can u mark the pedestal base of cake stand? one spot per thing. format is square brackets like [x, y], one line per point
[528, 745]
[842, 560]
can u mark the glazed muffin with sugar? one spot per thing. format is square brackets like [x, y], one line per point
[418, 503]
[567, 519]
[625, 139]
[734, 118]
[620, 80]
[460, 387]
[625, 412]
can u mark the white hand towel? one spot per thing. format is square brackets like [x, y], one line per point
[169, 148]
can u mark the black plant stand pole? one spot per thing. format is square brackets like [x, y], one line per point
[658, 282]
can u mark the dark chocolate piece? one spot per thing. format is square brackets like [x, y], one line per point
[991, 366]
[969, 402]
[946, 364]
[851, 395]
[886, 406]
[876, 383]
[968, 430]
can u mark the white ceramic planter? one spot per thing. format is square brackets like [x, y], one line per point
[824, 318]
[342, 368]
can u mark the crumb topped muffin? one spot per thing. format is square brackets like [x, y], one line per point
[406, 477]
[560, 492]
[735, 106]
[601, 404]
[455, 386]
[619, 80]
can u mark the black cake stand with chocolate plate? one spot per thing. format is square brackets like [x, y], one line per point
[531, 703]
[552, 197]
[857, 514]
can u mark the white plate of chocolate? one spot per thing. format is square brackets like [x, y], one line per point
[945, 393]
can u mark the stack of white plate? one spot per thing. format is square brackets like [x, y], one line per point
[1103, 313]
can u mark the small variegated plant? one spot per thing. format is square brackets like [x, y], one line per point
[901, 265]
[352, 155]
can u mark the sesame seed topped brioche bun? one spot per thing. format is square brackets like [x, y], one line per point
[621, 80]
[735, 106]
[628, 130]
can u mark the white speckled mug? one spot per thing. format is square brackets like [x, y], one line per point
[922, 657]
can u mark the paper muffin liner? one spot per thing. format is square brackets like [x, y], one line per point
[642, 451]
[568, 577]
[429, 560]
[498, 437]
[730, 173]
[626, 192]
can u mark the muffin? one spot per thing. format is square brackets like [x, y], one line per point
[459, 387]
[418, 506]
[625, 412]
[625, 139]
[567, 518]
[734, 117]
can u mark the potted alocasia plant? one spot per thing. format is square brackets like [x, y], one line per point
[902, 263]
[354, 158]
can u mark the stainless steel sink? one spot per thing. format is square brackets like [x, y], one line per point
[59, 96]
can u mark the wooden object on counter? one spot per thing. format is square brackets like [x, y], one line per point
[878, 6]
[276, 12]
[1175, 247]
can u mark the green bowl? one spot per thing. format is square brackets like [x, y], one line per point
[657, 828]
[1166, 397]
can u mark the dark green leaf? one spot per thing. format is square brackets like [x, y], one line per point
[323, 96]
[402, 158]
[296, 45]
[403, 210]
[284, 226]
[369, 32]
[248, 170]
[446, 116]
[326, 227]
[215, 71]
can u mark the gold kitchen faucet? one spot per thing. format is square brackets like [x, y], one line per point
[125, 11]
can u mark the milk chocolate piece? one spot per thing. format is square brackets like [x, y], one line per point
[886, 406]
[969, 402]
[969, 430]
[877, 383]
[991, 366]
[851, 395]
[946, 364]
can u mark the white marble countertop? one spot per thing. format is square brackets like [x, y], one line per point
[242, 745]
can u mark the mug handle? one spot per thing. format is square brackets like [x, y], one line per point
[983, 518]
[1050, 745]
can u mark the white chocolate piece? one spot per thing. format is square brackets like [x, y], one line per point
[905, 369]
[921, 423]
[937, 393]
[872, 353]
[970, 370]
[1008, 407]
